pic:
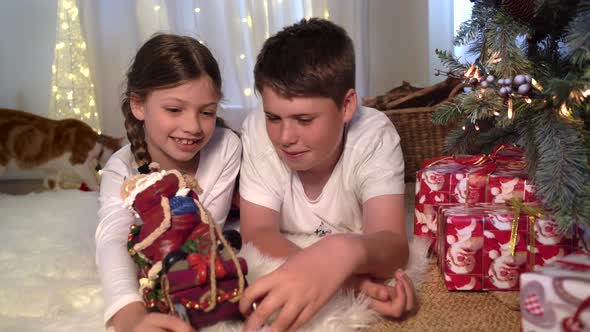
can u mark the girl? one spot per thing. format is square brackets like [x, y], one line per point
[170, 106]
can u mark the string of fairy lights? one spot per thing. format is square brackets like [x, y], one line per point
[248, 21]
[72, 87]
[519, 86]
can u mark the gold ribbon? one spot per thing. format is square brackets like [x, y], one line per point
[534, 213]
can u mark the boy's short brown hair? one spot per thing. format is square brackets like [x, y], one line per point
[312, 58]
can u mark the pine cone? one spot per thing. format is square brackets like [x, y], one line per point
[521, 10]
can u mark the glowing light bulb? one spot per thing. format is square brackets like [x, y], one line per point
[156, 8]
[65, 26]
[61, 45]
[564, 110]
[242, 56]
[76, 110]
[247, 92]
[326, 14]
[197, 10]
[91, 103]
[70, 95]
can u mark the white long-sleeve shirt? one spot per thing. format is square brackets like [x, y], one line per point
[218, 168]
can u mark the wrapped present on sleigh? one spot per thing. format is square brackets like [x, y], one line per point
[187, 265]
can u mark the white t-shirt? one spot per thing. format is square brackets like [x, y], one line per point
[218, 168]
[371, 165]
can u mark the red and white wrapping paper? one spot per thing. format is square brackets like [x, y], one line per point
[556, 297]
[473, 246]
[468, 180]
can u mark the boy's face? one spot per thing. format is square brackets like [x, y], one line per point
[307, 132]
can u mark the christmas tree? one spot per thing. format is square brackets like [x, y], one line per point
[530, 86]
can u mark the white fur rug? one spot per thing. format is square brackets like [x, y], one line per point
[49, 281]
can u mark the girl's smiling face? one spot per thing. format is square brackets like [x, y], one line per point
[178, 122]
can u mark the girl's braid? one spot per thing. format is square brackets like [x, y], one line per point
[136, 136]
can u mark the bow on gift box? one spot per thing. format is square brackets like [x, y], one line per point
[534, 213]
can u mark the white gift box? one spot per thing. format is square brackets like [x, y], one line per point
[556, 297]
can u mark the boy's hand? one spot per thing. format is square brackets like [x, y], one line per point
[391, 301]
[298, 289]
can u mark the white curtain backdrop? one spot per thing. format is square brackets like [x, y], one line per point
[234, 30]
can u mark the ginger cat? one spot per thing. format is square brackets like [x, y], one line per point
[29, 141]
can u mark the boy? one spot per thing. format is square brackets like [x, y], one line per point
[315, 163]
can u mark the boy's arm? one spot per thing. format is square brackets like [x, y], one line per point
[384, 243]
[260, 225]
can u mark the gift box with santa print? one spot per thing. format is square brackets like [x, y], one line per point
[556, 297]
[480, 248]
[469, 180]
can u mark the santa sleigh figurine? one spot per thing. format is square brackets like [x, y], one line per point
[187, 265]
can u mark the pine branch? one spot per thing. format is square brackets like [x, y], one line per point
[578, 37]
[480, 105]
[562, 169]
[451, 62]
[526, 132]
[460, 141]
[488, 140]
[446, 113]
[501, 38]
[473, 28]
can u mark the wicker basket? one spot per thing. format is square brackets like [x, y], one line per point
[420, 138]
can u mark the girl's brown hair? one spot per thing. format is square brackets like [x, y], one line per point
[164, 61]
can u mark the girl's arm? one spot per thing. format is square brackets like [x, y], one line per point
[117, 271]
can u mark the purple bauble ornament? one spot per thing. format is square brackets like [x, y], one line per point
[519, 80]
[501, 82]
[507, 81]
[523, 89]
[503, 91]
[490, 79]
[484, 84]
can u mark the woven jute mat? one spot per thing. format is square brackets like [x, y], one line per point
[441, 310]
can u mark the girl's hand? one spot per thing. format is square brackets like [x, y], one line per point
[400, 299]
[299, 288]
[157, 322]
